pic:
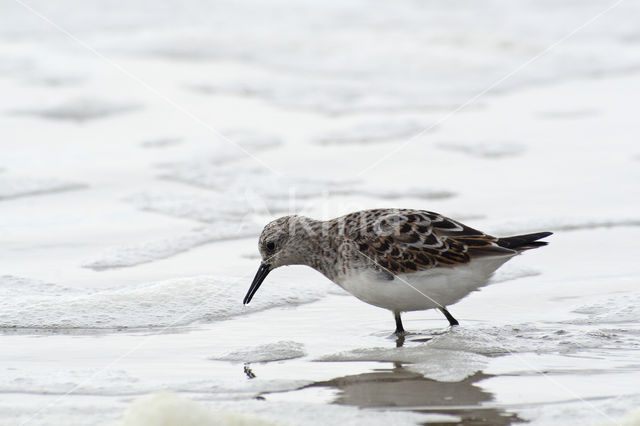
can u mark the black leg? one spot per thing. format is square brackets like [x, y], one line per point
[399, 327]
[452, 320]
[249, 372]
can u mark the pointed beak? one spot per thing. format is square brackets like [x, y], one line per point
[262, 273]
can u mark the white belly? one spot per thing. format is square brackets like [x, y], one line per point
[417, 291]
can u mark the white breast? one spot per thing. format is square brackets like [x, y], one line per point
[422, 290]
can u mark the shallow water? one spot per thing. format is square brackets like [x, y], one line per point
[143, 151]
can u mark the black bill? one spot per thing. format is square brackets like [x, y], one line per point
[262, 273]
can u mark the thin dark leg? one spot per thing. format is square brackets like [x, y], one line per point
[399, 327]
[249, 372]
[452, 320]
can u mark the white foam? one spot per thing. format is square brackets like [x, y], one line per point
[223, 208]
[11, 285]
[170, 303]
[256, 189]
[569, 114]
[372, 132]
[40, 379]
[44, 380]
[147, 410]
[225, 151]
[317, 414]
[591, 412]
[449, 366]
[442, 365]
[237, 179]
[563, 224]
[14, 187]
[81, 109]
[149, 251]
[448, 55]
[169, 409]
[404, 192]
[251, 139]
[631, 418]
[235, 196]
[486, 149]
[621, 308]
[56, 80]
[161, 142]
[491, 341]
[265, 353]
[308, 91]
[531, 338]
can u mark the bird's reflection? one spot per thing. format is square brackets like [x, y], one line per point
[412, 337]
[399, 387]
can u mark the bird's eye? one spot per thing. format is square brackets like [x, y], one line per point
[271, 246]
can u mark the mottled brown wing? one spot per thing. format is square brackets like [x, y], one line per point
[405, 241]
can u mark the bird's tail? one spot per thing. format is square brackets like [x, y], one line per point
[524, 242]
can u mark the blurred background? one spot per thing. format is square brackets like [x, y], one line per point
[144, 145]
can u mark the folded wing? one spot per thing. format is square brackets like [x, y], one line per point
[405, 241]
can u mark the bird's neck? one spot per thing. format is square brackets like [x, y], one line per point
[316, 247]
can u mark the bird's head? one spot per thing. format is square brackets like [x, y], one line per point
[281, 243]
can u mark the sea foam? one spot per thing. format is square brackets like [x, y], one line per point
[28, 304]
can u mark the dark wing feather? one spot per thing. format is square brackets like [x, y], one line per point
[404, 241]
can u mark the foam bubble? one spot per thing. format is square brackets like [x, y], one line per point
[265, 353]
[161, 142]
[251, 139]
[14, 187]
[81, 109]
[372, 132]
[485, 149]
[405, 192]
